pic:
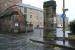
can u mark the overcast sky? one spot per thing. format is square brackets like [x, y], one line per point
[70, 4]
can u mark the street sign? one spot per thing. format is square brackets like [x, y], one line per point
[63, 15]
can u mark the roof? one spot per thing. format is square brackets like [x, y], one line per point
[29, 6]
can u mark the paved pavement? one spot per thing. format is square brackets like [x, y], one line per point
[21, 41]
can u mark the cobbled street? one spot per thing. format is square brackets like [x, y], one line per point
[21, 41]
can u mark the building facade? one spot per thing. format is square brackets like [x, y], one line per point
[59, 21]
[7, 3]
[11, 17]
[18, 17]
[33, 15]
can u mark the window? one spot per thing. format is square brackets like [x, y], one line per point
[30, 16]
[16, 24]
[25, 16]
[25, 10]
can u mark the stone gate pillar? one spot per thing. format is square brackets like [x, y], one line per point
[49, 20]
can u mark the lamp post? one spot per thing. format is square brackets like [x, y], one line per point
[64, 15]
[63, 22]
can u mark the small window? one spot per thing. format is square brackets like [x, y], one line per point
[30, 16]
[25, 10]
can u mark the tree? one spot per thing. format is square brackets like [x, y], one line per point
[72, 27]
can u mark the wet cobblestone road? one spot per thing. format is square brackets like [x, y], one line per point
[21, 41]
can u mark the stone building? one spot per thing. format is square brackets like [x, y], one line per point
[33, 15]
[7, 3]
[11, 17]
[12, 20]
[16, 16]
